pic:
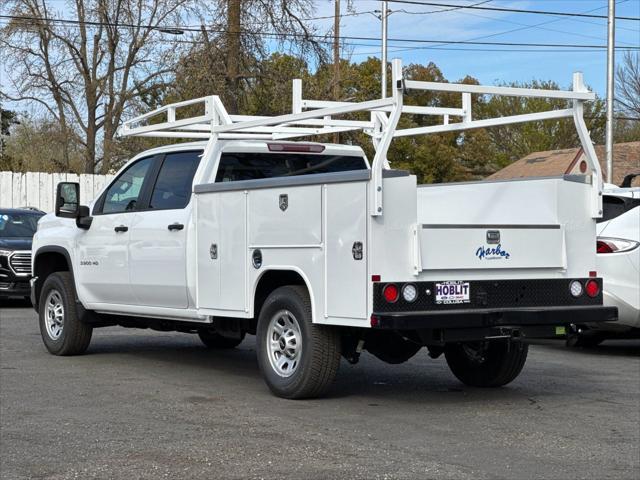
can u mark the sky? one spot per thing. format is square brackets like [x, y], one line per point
[408, 21]
[491, 67]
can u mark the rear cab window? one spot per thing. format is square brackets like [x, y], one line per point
[255, 166]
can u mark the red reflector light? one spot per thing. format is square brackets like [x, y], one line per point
[375, 321]
[592, 288]
[376, 278]
[295, 147]
[390, 293]
[604, 247]
[593, 274]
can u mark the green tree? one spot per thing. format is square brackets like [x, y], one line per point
[7, 119]
[41, 146]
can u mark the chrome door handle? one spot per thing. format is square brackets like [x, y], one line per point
[121, 228]
[175, 226]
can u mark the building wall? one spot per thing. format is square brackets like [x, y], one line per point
[38, 189]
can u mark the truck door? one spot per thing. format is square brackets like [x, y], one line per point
[102, 266]
[159, 234]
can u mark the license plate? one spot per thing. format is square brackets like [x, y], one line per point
[452, 292]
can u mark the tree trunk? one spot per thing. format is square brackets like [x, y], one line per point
[90, 153]
[233, 53]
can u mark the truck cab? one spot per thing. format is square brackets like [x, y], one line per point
[319, 252]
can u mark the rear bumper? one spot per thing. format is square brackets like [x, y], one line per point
[496, 317]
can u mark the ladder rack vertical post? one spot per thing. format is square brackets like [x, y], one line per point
[587, 147]
[296, 100]
[466, 107]
[388, 130]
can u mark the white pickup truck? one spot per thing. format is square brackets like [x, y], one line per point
[317, 251]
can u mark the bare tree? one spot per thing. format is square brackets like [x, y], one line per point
[628, 84]
[247, 28]
[85, 63]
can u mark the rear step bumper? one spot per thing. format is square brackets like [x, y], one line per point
[494, 317]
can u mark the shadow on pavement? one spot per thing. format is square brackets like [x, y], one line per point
[15, 303]
[629, 348]
[418, 381]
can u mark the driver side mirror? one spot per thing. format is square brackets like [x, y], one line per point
[68, 200]
[68, 204]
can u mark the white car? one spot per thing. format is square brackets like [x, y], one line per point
[618, 262]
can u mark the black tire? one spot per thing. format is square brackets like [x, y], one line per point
[486, 364]
[319, 357]
[74, 336]
[214, 340]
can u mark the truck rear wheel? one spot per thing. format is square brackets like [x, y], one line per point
[486, 364]
[297, 358]
[62, 331]
[214, 340]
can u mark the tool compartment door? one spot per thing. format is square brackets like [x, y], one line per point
[222, 251]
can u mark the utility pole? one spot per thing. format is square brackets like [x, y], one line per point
[611, 39]
[336, 60]
[385, 14]
[233, 52]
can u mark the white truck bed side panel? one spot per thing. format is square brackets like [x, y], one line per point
[313, 236]
[346, 277]
[580, 228]
[391, 240]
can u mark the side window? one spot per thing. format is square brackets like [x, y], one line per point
[173, 186]
[124, 193]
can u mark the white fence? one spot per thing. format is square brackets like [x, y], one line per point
[38, 189]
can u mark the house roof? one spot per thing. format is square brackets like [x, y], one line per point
[626, 160]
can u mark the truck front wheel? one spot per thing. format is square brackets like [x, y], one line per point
[62, 331]
[486, 364]
[297, 358]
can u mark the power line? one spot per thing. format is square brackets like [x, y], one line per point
[522, 26]
[277, 35]
[512, 10]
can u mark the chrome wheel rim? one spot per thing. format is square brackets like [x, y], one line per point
[284, 343]
[54, 314]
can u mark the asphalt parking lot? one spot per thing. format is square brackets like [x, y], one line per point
[143, 404]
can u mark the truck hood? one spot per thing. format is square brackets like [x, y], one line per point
[15, 243]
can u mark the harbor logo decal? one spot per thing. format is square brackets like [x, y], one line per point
[492, 253]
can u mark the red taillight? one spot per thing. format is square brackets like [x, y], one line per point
[604, 247]
[592, 288]
[390, 293]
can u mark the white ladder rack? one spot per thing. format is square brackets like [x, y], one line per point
[317, 117]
